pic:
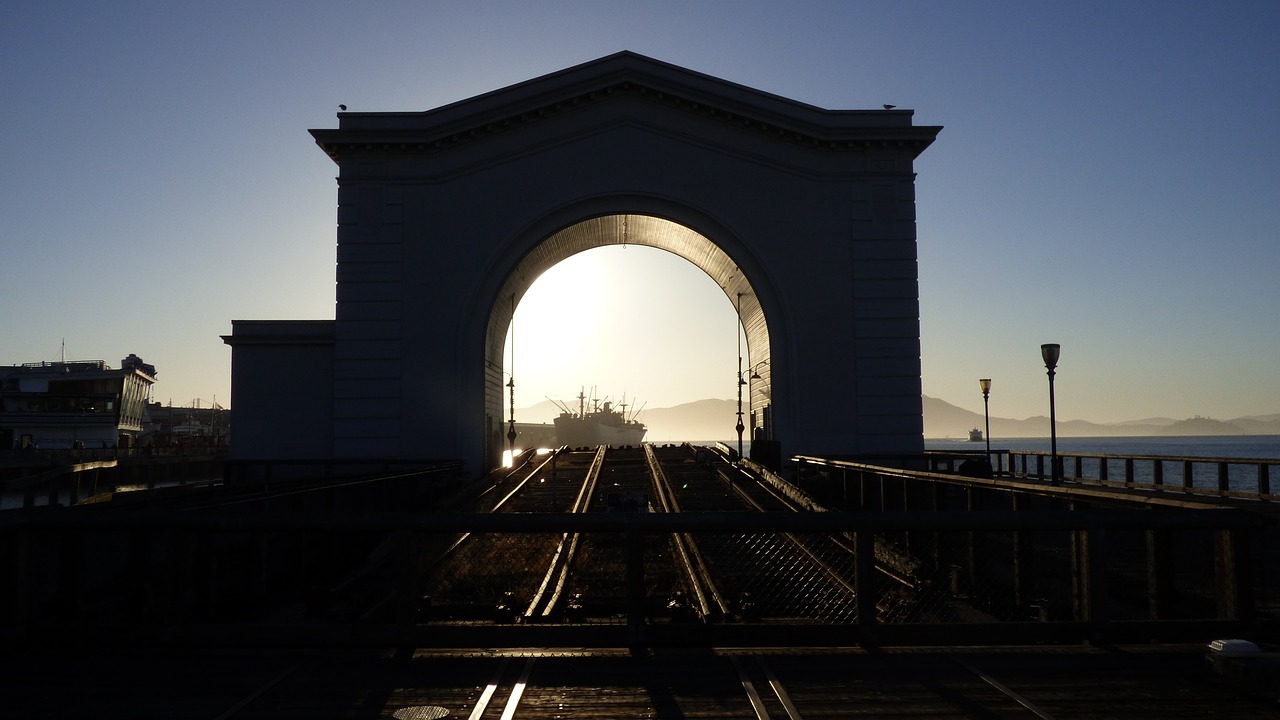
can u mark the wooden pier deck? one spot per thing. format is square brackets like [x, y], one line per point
[129, 610]
[1162, 681]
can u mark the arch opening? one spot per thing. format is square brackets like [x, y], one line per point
[755, 370]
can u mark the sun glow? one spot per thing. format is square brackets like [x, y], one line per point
[571, 295]
[633, 320]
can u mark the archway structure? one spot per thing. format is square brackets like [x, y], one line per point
[652, 231]
[805, 216]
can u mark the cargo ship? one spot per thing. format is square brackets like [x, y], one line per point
[604, 424]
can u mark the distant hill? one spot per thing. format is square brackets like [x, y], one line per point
[944, 420]
[715, 419]
[700, 420]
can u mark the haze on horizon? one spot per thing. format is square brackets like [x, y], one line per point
[1106, 179]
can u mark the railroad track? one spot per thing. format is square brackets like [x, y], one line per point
[545, 577]
[608, 685]
[713, 577]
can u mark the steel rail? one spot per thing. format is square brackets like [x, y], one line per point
[1004, 690]
[547, 597]
[753, 696]
[482, 703]
[691, 559]
[779, 691]
[462, 538]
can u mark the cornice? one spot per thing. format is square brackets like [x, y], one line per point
[629, 76]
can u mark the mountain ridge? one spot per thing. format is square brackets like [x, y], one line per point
[712, 419]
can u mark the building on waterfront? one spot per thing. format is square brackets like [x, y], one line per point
[192, 425]
[74, 404]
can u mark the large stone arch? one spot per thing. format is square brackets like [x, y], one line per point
[444, 215]
[691, 237]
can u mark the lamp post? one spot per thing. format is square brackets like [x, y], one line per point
[1049, 352]
[738, 331]
[985, 384]
[511, 385]
[511, 425]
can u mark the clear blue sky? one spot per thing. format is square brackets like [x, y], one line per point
[1107, 178]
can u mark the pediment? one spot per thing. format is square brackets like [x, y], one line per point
[626, 73]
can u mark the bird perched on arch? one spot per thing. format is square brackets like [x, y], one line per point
[342, 107]
[886, 107]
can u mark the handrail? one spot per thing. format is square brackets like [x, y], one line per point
[1239, 478]
[190, 537]
[1210, 476]
[1073, 487]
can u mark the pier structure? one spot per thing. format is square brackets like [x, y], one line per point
[663, 581]
[804, 216]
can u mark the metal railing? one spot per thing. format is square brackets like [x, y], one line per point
[972, 575]
[1226, 477]
[1244, 478]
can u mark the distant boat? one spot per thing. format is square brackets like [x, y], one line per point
[975, 435]
[604, 424]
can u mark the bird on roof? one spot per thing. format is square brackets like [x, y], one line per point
[886, 107]
[342, 107]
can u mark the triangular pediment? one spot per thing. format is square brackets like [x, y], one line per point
[630, 74]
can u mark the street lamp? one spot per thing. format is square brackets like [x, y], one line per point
[738, 332]
[1050, 352]
[985, 384]
[511, 384]
[511, 426]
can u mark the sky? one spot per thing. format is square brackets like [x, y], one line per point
[1108, 178]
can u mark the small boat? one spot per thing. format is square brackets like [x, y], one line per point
[604, 424]
[975, 435]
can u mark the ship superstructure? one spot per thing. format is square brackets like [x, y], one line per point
[604, 423]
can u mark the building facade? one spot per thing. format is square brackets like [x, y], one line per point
[74, 404]
[804, 216]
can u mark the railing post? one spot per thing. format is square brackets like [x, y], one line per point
[71, 575]
[906, 507]
[1023, 559]
[137, 570]
[1188, 474]
[1091, 593]
[1224, 477]
[635, 586]
[1160, 579]
[973, 543]
[1264, 479]
[19, 609]
[406, 589]
[865, 582]
[1234, 582]
[1157, 474]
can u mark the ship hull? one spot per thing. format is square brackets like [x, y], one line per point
[585, 432]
